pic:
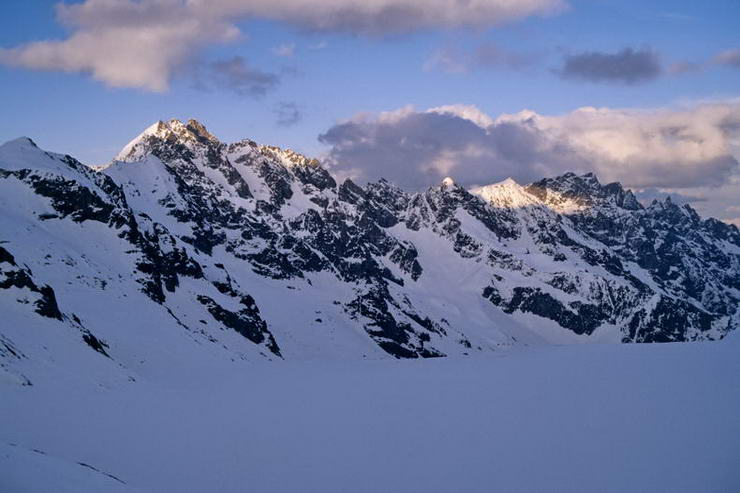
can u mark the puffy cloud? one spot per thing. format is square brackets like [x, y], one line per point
[734, 211]
[664, 148]
[671, 149]
[375, 17]
[628, 66]
[633, 67]
[417, 149]
[720, 201]
[465, 111]
[124, 43]
[141, 43]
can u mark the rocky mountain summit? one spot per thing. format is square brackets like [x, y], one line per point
[240, 250]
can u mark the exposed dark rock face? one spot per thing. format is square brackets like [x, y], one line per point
[95, 343]
[21, 278]
[200, 219]
[246, 321]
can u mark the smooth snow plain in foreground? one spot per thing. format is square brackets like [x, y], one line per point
[581, 418]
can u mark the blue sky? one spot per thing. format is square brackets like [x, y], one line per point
[337, 71]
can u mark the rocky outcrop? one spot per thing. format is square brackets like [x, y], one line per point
[263, 242]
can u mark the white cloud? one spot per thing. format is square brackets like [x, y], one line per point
[124, 44]
[384, 16]
[649, 148]
[674, 150]
[465, 111]
[140, 43]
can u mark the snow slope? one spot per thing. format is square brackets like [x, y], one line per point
[186, 251]
[579, 418]
[201, 316]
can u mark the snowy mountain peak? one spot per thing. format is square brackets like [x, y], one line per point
[288, 157]
[506, 193]
[20, 142]
[200, 130]
[190, 135]
[23, 153]
[132, 151]
[448, 182]
[508, 182]
[670, 209]
[176, 143]
[570, 193]
[255, 251]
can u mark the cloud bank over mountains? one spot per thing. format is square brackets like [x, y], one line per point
[671, 149]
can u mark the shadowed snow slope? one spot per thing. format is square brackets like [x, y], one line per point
[579, 418]
[186, 248]
[202, 316]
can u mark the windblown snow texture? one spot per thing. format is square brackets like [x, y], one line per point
[248, 251]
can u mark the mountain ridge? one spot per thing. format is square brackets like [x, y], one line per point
[259, 251]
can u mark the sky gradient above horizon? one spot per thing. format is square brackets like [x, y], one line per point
[409, 90]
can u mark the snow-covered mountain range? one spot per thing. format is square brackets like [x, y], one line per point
[185, 245]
